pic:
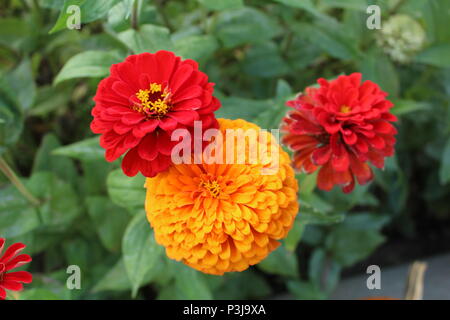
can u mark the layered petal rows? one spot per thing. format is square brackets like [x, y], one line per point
[219, 218]
[9, 260]
[340, 127]
[143, 101]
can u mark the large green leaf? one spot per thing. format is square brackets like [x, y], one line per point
[222, 4]
[86, 150]
[127, 192]
[149, 38]
[190, 283]
[22, 82]
[444, 171]
[281, 262]
[348, 245]
[197, 47]
[92, 64]
[89, 11]
[244, 26]
[437, 56]
[60, 204]
[16, 214]
[45, 161]
[11, 116]
[140, 251]
[378, 68]
[109, 220]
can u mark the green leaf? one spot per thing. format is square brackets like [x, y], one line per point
[271, 118]
[49, 99]
[305, 290]
[348, 245]
[241, 108]
[444, 171]
[89, 11]
[109, 220]
[92, 64]
[127, 192]
[17, 215]
[306, 5]
[295, 234]
[39, 294]
[402, 106]
[196, 47]
[191, 283]
[140, 251]
[264, 60]
[87, 150]
[11, 116]
[13, 32]
[244, 26]
[22, 82]
[346, 4]
[232, 288]
[61, 23]
[221, 4]
[317, 217]
[331, 39]
[281, 262]
[437, 56]
[60, 204]
[149, 38]
[44, 161]
[378, 68]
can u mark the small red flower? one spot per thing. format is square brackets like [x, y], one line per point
[10, 260]
[340, 127]
[143, 101]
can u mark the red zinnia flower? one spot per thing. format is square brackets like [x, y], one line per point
[340, 127]
[143, 100]
[10, 260]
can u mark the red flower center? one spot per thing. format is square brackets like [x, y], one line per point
[153, 102]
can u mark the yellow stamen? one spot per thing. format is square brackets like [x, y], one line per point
[212, 186]
[158, 107]
[345, 109]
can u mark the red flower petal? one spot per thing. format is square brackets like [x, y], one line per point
[18, 276]
[12, 251]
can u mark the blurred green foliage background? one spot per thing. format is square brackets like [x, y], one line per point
[259, 53]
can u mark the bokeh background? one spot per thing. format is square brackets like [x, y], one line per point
[259, 53]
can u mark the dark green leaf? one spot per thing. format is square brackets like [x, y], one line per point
[87, 150]
[109, 220]
[281, 262]
[444, 172]
[140, 251]
[92, 64]
[246, 25]
[149, 38]
[222, 4]
[127, 192]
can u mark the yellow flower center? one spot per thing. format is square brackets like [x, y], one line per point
[345, 109]
[154, 101]
[212, 186]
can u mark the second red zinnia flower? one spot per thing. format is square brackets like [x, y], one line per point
[339, 128]
[9, 260]
[143, 101]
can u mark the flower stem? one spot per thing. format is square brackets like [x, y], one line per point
[9, 173]
[135, 15]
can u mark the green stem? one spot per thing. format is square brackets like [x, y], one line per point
[160, 9]
[9, 173]
[135, 15]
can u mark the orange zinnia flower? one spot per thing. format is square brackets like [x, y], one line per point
[219, 218]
